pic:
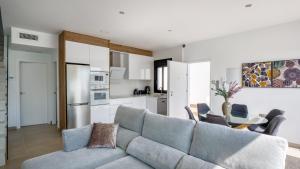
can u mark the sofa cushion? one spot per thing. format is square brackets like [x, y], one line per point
[130, 118]
[157, 155]
[125, 136]
[77, 138]
[174, 132]
[190, 162]
[79, 159]
[126, 163]
[233, 148]
[103, 135]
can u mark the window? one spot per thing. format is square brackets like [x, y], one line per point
[161, 76]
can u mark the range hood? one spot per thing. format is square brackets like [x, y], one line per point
[118, 64]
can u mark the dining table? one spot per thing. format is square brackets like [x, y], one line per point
[237, 122]
[242, 123]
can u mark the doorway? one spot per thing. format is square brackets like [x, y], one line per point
[188, 85]
[199, 83]
[33, 93]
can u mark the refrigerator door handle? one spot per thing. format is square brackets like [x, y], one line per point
[78, 104]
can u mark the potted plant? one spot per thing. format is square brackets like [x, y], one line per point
[227, 92]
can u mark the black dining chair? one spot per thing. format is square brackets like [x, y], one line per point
[190, 113]
[273, 113]
[215, 119]
[272, 127]
[239, 110]
[202, 109]
[270, 116]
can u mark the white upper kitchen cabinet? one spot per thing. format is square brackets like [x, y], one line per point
[140, 67]
[99, 58]
[77, 52]
[148, 67]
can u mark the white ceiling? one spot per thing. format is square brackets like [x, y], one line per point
[146, 22]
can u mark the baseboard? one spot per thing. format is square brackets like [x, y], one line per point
[12, 128]
[294, 145]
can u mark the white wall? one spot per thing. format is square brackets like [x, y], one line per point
[122, 87]
[15, 57]
[175, 53]
[269, 44]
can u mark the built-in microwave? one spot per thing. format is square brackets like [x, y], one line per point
[99, 80]
[99, 96]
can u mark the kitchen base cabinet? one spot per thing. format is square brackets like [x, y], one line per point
[151, 104]
[107, 113]
[101, 113]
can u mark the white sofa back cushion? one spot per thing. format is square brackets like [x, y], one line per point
[173, 132]
[234, 148]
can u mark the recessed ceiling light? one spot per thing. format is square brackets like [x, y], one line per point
[248, 5]
[121, 12]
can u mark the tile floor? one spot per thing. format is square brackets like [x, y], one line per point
[33, 141]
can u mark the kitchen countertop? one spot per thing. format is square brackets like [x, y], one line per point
[158, 95]
[126, 96]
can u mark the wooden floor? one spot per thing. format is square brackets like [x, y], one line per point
[30, 142]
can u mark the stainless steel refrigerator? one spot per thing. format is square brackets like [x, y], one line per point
[78, 95]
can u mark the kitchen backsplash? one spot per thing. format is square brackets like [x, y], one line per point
[122, 87]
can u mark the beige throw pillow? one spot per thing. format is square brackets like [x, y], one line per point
[103, 135]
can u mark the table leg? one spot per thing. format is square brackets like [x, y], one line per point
[242, 126]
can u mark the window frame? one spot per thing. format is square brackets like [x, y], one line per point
[157, 64]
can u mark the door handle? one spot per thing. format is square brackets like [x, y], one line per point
[21, 93]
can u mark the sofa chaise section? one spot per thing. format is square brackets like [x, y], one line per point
[83, 158]
[128, 162]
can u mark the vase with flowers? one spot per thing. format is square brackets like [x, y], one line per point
[226, 91]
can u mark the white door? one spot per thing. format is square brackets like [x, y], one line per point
[52, 94]
[99, 58]
[33, 93]
[177, 89]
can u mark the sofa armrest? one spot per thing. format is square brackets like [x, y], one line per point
[77, 138]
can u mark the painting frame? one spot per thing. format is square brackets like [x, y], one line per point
[271, 74]
[286, 73]
[257, 75]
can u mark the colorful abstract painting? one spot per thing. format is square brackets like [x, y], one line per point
[257, 74]
[286, 74]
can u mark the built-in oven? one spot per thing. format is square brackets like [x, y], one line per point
[99, 96]
[99, 88]
[99, 79]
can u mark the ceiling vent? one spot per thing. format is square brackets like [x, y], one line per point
[28, 36]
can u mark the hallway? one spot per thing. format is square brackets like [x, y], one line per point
[30, 142]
